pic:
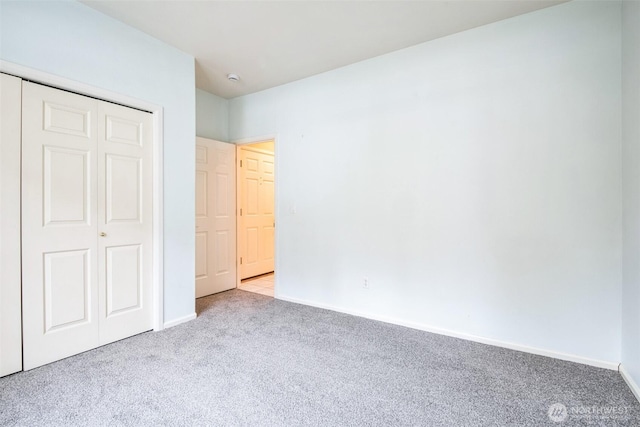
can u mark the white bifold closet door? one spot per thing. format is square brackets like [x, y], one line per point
[86, 221]
[10, 314]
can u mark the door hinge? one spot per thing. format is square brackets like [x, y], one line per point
[240, 211]
[240, 260]
[240, 163]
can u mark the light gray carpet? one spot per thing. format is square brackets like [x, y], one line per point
[250, 360]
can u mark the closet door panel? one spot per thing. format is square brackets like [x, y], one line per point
[10, 306]
[124, 221]
[59, 236]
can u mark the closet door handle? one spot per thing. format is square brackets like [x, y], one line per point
[103, 234]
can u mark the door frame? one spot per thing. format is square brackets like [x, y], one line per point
[157, 274]
[276, 214]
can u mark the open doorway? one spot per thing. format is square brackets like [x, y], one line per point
[256, 217]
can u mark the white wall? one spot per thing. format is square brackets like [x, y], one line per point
[475, 180]
[631, 189]
[212, 116]
[71, 40]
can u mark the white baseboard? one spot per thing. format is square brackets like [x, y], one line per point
[180, 320]
[634, 386]
[541, 352]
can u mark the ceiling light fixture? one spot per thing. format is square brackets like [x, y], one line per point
[233, 77]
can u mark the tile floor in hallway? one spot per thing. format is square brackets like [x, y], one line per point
[259, 284]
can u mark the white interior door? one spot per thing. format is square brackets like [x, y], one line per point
[59, 217]
[10, 304]
[86, 172]
[215, 217]
[125, 183]
[256, 212]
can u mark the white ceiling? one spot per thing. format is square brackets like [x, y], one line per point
[269, 43]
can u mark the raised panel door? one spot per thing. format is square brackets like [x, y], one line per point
[257, 224]
[124, 221]
[59, 227]
[215, 217]
[87, 223]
